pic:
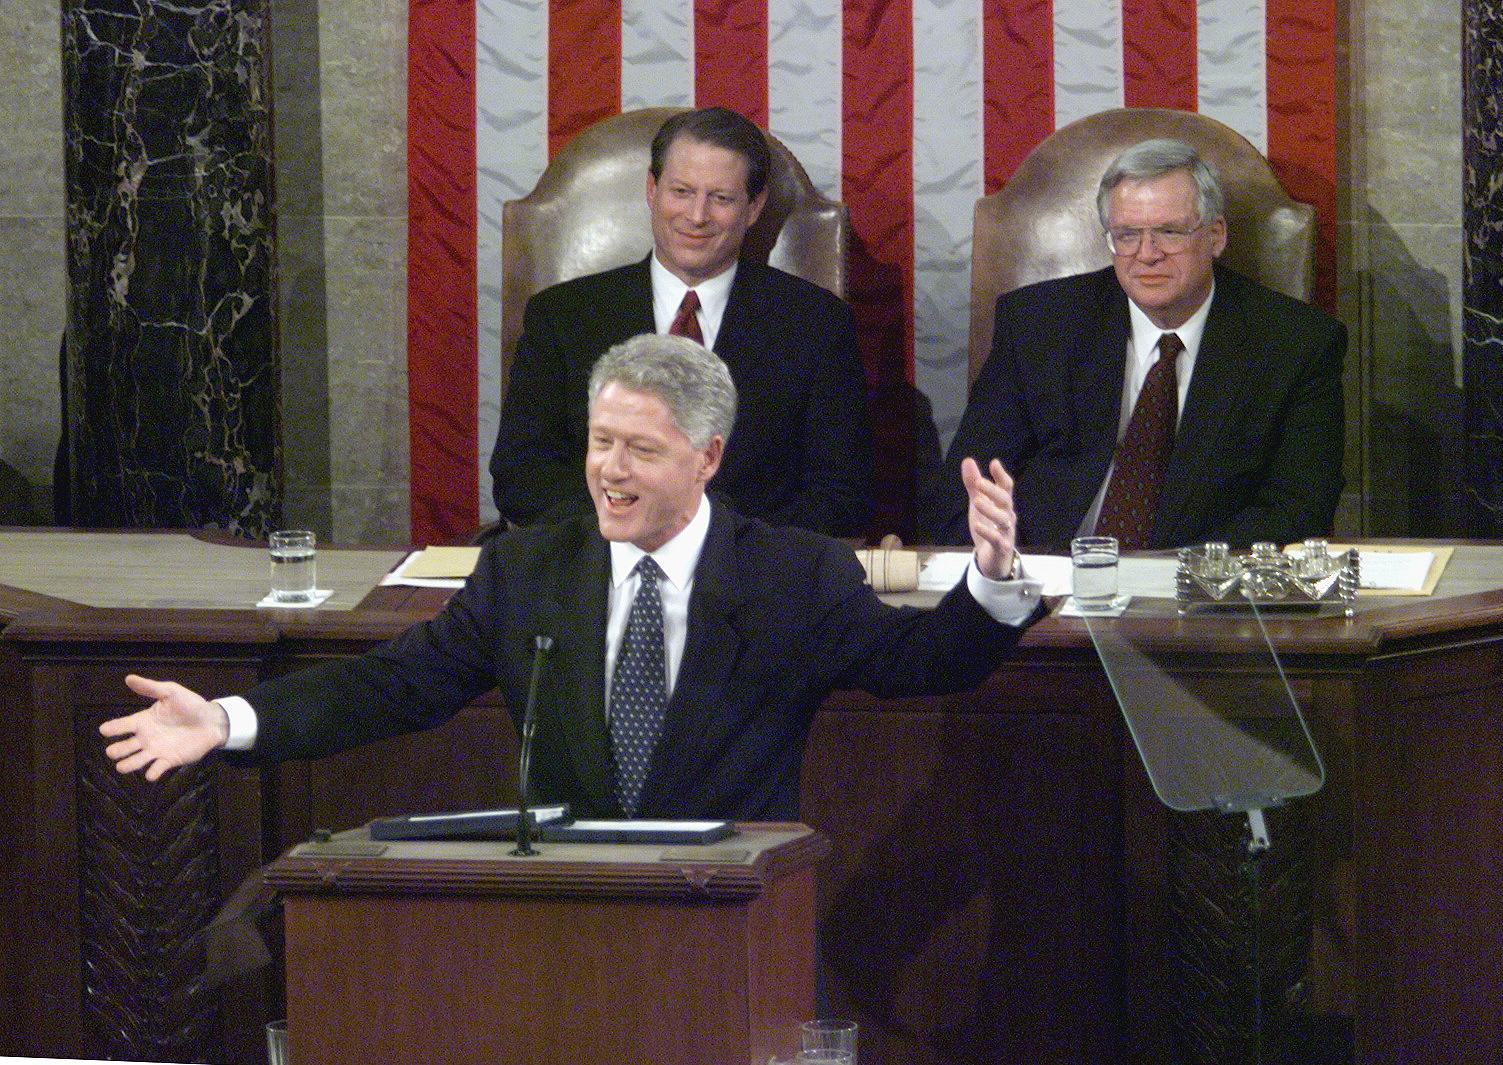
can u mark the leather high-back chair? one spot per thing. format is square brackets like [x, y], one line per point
[588, 213]
[1042, 224]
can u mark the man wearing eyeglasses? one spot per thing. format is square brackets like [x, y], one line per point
[1165, 400]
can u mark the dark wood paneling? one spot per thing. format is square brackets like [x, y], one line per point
[1000, 885]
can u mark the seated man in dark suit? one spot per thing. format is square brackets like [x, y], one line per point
[801, 452]
[1237, 437]
[693, 644]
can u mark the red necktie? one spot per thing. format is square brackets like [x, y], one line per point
[686, 321]
[1132, 498]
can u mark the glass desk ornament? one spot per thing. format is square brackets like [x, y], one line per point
[1211, 577]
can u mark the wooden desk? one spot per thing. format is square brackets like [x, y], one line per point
[1000, 885]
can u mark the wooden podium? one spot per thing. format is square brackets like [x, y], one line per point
[459, 954]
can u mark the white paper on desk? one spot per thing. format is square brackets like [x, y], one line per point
[1152, 578]
[1053, 570]
[1149, 577]
[944, 570]
[1395, 570]
[395, 577]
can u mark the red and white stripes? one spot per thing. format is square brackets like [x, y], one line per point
[908, 110]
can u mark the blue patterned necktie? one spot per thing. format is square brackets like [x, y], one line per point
[639, 688]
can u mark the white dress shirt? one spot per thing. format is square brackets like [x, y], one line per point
[1142, 353]
[677, 557]
[668, 292]
[1009, 602]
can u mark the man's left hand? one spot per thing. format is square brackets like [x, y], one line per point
[993, 521]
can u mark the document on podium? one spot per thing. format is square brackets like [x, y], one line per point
[470, 824]
[668, 833]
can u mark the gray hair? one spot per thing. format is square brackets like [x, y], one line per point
[1155, 158]
[688, 377]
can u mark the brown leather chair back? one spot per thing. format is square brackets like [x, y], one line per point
[1042, 224]
[588, 213]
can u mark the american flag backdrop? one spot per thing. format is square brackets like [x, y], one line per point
[907, 110]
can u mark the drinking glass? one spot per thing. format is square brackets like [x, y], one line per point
[276, 1043]
[1093, 573]
[831, 1035]
[293, 565]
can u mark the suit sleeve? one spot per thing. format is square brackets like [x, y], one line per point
[896, 652]
[416, 681]
[537, 477]
[995, 425]
[1303, 482]
[836, 493]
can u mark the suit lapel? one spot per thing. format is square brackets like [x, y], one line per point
[1096, 385]
[636, 314]
[712, 649]
[1219, 379]
[739, 326]
[581, 653]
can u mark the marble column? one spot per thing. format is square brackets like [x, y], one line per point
[172, 361]
[1482, 216]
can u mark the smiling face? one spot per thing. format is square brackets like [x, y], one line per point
[1169, 288]
[700, 209]
[645, 475]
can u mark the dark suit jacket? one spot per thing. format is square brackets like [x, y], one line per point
[777, 619]
[800, 452]
[1258, 452]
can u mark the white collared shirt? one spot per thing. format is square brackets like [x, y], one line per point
[1142, 353]
[677, 557]
[668, 292]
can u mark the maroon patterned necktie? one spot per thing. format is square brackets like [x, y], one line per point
[686, 321]
[1132, 498]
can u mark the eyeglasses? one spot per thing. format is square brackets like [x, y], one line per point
[1171, 240]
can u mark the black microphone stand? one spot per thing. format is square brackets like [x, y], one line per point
[542, 646]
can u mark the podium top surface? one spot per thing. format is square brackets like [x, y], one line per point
[737, 868]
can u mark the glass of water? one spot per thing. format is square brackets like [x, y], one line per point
[829, 1036]
[276, 1043]
[293, 565]
[1093, 572]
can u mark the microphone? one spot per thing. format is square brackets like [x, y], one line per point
[542, 647]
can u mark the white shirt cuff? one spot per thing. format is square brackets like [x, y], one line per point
[1008, 601]
[243, 724]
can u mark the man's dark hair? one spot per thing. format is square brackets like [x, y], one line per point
[723, 128]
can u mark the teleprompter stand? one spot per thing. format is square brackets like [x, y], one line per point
[1229, 741]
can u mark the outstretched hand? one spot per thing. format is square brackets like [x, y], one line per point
[179, 728]
[993, 521]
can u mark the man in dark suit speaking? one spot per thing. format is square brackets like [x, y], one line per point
[1165, 400]
[693, 645]
[801, 453]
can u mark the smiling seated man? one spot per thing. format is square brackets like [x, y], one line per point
[802, 452]
[1236, 437]
[693, 645]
